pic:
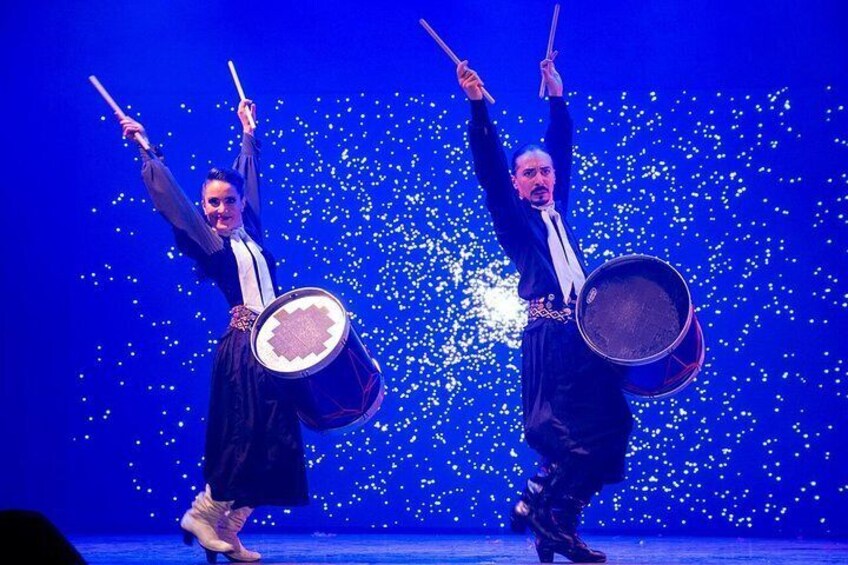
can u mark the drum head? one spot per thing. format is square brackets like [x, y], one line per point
[300, 332]
[634, 310]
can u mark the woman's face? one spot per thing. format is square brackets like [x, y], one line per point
[223, 206]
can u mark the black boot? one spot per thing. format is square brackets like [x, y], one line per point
[575, 550]
[532, 508]
[557, 514]
[566, 517]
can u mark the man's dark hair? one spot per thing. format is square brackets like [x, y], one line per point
[226, 175]
[526, 148]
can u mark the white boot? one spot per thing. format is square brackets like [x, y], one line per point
[200, 521]
[228, 528]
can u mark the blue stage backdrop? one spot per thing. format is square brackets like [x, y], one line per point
[374, 199]
[735, 172]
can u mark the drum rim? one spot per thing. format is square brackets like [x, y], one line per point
[288, 297]
[656, 356]
[699, 364]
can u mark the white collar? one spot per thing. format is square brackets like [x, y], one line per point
[549, 207]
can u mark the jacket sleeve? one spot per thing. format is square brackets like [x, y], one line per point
[558, 142]
[493, 173]
[247, 164]
[170, 200]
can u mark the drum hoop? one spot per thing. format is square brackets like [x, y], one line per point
[699, 364]
[367, 415]
[656, 356]
[288, 297]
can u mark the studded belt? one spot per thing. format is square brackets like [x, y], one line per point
[242, 318]
[545, 308]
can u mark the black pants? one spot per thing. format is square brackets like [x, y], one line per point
[254, 449]
[575, 414]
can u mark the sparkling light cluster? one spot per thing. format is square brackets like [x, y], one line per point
[376, 201]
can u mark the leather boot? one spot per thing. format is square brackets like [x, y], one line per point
[576, 551]
[533, 507]
[566, 516]
[200, 522]
[556, 513]
[228, 528]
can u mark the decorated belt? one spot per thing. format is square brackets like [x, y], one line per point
[546, 308]
[242, 318]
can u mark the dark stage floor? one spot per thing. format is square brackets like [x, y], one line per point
[410, 549]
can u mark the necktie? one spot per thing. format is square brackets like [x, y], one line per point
[568, 271]
[257, 290]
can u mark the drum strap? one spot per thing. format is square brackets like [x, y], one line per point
[567, 267]
[257, 290]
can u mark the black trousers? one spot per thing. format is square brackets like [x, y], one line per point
[254, 449]
[575, 414]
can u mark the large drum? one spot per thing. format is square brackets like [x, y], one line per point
[306, 334]
[636, 312]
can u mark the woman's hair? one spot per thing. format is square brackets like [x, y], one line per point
[526, 148]
[226, 175]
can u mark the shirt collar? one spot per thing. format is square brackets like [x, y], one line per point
[550, 207]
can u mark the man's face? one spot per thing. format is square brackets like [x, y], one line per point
[534, 177]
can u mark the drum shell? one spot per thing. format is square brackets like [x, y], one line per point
[671, 374]
[344, 394]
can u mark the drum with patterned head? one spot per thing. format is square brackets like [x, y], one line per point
[306, 334]
[636, 312]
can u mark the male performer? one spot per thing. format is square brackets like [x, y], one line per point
[575, 415]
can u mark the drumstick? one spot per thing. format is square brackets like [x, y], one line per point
[450, 53]
[241, 92]
[140, 139]
[550, 46]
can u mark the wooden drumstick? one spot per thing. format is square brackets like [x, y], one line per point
[241, 93]
[140, 139]
[550, 50]
[456, 60]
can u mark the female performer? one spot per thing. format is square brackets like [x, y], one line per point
[254, 450]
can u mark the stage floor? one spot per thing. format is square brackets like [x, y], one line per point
[411, 549]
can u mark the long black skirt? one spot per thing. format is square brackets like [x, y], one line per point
[254, 449]
[574, 408]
